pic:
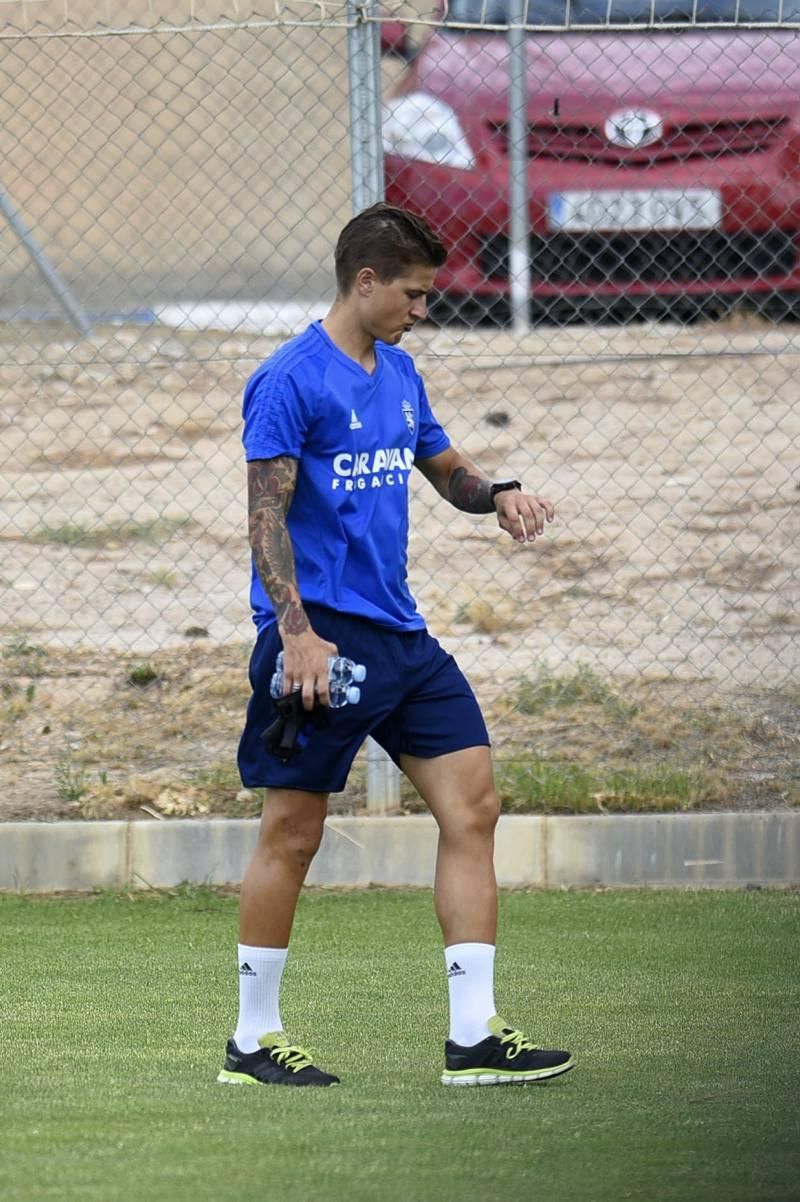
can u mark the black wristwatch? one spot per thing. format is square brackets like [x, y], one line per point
[503, 486]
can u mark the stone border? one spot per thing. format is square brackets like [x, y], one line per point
[701, 850]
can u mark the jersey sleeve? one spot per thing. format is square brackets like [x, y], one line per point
[432, 438]
[276, 417]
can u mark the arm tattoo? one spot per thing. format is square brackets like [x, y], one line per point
[470, 493]
[270, 487]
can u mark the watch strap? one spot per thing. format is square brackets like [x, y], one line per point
[504, 486]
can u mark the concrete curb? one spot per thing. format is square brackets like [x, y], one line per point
[701, 850]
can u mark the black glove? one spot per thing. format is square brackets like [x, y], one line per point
[289, 733]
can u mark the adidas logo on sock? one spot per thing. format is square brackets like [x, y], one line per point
[455, 970]
[246, 971]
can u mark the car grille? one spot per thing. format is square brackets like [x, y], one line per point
[698, 139]
[683, 258]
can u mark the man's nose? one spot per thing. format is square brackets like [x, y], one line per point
[419, 309]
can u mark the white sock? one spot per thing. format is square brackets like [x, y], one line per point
[260, 972]
[470, 981]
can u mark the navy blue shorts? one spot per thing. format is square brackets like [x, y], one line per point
[414, 701]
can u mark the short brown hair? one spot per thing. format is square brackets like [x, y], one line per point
[387, 239]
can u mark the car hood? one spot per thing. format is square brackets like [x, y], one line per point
[730, 73]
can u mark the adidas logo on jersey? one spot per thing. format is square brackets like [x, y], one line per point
[355, 424]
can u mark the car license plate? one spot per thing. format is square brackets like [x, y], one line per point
[635, 209]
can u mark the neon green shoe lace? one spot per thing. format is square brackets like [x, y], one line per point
[518, 1043]
[515, 1040]
[288, 1055]
[292, 1057]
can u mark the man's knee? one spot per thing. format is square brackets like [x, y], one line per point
[292, 828]
[475, 814]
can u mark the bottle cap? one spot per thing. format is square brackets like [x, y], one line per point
[359, 672]
[353, 695]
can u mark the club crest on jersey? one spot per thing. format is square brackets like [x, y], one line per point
[408, 414]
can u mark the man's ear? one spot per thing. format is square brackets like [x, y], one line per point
[365, 281]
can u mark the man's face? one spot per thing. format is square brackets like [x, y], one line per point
[388, 311]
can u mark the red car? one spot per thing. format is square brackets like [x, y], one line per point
[663, 164]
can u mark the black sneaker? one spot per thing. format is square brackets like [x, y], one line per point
[277, 1062]
[505, 1057]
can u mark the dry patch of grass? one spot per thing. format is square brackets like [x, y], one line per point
[154, 532]
[98, 723]
[576, 742]
[102, 735]
[574, 788]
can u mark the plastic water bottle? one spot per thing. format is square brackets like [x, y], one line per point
[343, 677]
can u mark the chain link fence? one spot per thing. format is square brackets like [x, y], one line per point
[619, 186]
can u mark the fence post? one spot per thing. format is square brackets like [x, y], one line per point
[366, 157]
[519, 240]
[364, 80]
[383, 780]
[48, 273]
[376, 95]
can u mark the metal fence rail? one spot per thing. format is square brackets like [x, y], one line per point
[617, 327]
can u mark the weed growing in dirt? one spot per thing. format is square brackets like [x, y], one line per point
[545, 690]
[17, 700]
[153, 531]
[141, 675]
[492, 614]
[221, 787]
[161, 578]
[72, 780]
[24, 657]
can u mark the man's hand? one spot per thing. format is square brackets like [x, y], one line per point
[522, 515]
[305, 666]
[464, 485]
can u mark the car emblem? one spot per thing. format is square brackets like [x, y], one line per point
[633, 128]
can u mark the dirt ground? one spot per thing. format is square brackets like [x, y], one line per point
[671, 576]
[663, 602]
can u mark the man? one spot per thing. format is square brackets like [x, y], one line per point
[333, 423]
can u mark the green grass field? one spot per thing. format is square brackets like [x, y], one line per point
[683, 1010]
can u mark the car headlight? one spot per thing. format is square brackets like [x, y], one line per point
[426, 129]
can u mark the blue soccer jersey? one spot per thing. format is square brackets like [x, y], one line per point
[356, 437]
